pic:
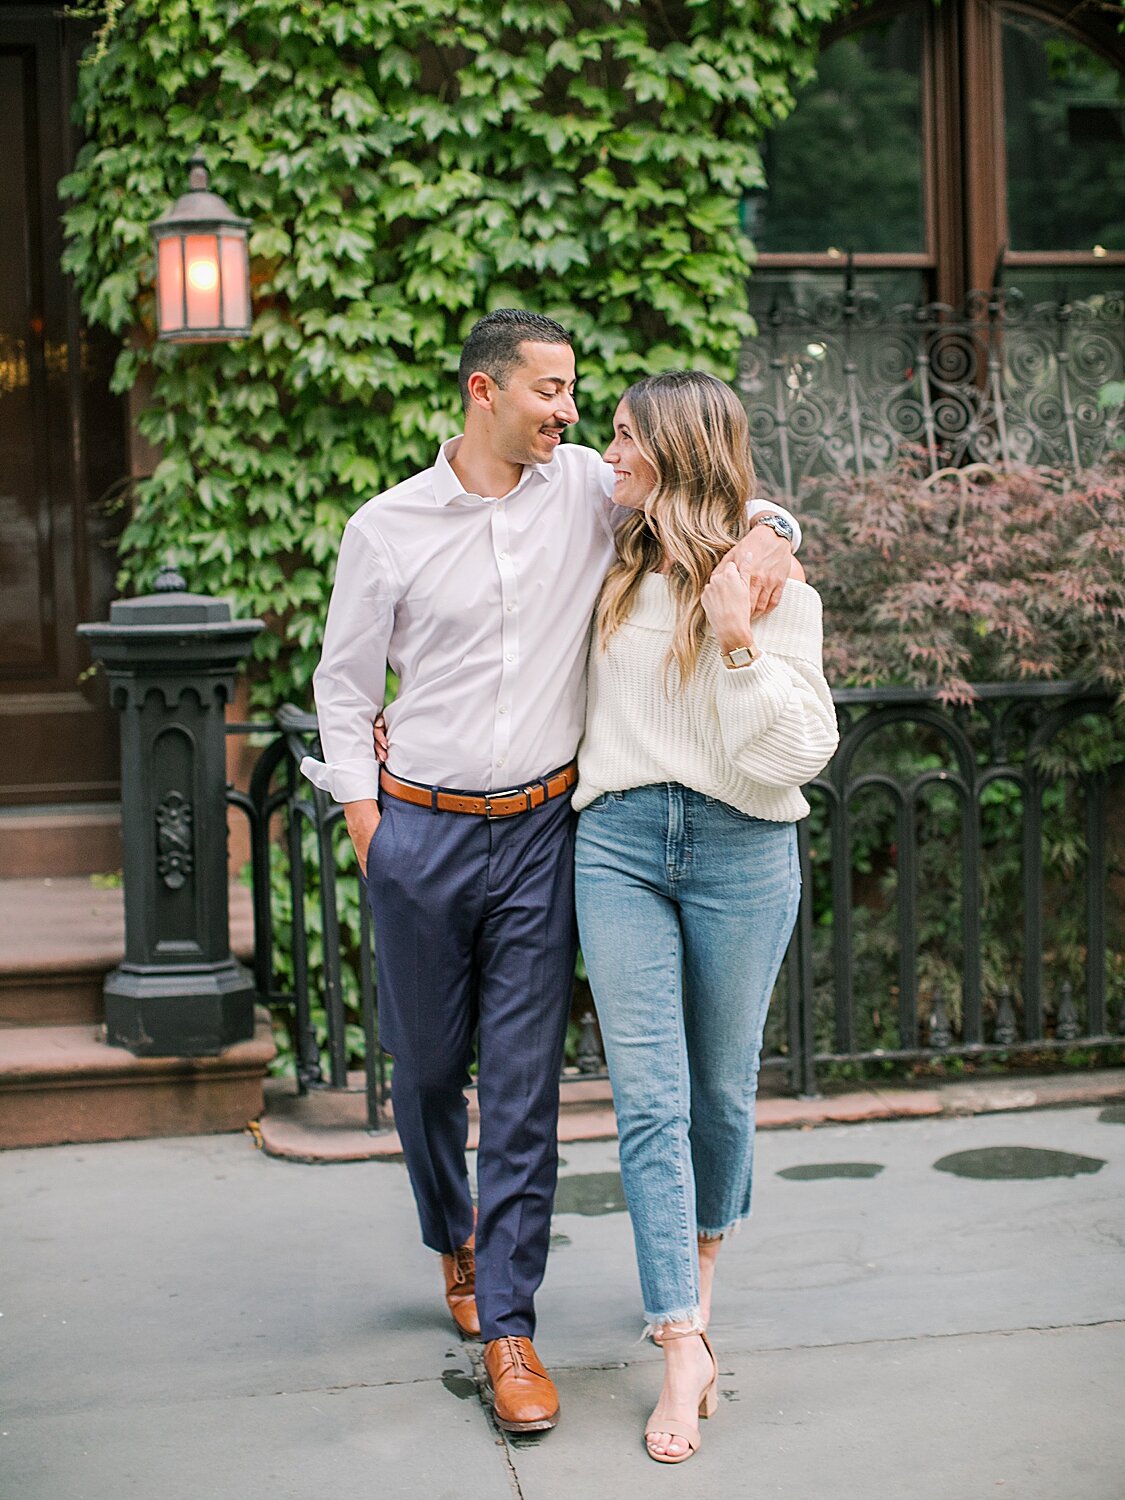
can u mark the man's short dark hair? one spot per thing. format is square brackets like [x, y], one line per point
[493, 344]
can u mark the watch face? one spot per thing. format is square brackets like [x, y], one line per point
[780, 525]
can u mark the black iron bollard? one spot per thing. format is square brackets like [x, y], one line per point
[941, 1032]
[1006, 1032]
[1066, 1019]
[171, 658]
[588, 1054]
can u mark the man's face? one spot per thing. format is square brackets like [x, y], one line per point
[536, 406]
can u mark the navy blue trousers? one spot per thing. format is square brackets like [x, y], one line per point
[475, 933]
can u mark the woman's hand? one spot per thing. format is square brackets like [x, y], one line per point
[726, 603]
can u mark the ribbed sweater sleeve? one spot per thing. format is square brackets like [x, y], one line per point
[776, 715]
[749, 736]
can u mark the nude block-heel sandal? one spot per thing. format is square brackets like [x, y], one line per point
[708, 1404]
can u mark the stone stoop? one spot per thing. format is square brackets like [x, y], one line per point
[39, 842]
[62, 1084]
[59, 1081]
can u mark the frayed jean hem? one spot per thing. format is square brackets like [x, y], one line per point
[724, 1231]
[657, 1324]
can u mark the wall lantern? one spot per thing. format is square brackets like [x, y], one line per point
[202, 267]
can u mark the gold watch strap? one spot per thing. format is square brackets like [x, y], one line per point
[741, 656]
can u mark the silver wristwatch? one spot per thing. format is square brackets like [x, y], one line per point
[780, 525]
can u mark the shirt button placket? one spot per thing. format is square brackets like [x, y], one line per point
[509, 643]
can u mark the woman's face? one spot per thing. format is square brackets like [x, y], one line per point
[634, 476]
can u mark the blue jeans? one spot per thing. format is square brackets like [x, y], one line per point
[685, 908]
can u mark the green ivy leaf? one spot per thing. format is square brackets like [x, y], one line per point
[406, 166]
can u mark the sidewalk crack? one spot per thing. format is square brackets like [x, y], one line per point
[920, 1338]
[502, 1440]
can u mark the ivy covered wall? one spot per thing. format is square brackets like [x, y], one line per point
[407, 164]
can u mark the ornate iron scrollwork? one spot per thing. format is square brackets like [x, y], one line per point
[839, 387]
[174, 840]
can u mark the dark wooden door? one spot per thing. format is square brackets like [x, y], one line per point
[62, 443]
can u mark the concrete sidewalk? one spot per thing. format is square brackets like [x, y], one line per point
[191, 1320]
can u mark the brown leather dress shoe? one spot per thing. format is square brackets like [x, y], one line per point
[523, 1394]
[460, 1271]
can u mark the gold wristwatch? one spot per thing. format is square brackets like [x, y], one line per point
[741, 656]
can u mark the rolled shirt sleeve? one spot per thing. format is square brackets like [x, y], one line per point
[349, 685]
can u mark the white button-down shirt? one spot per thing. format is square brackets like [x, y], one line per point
[482, 607]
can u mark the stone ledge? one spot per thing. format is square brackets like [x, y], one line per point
[60, 937]
[329, 1127]
[64, 995]
[64, 840]
[67, 925]
[61, 1084]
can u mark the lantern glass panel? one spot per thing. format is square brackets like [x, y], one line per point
[234, 262]
[170, 283]
[201, 254]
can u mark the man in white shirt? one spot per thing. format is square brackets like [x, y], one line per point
[476, 580]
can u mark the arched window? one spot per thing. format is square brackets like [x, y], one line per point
[941, 140]
[941, 242]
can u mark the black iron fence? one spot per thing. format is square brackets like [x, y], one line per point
[838, 386]
[957, 896]
[306, 956]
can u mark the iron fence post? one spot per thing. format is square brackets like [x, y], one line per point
[1096, 880]
[803, 941]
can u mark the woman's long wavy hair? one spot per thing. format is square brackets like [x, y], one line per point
[693, 430]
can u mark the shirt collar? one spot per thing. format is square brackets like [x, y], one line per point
[449, 490]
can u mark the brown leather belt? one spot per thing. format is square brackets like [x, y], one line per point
[506, 804]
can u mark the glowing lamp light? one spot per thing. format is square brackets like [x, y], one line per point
[202, 267]
[203, 275]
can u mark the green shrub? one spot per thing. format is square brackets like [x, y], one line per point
[972, 576]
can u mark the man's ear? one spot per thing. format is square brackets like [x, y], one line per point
[481, 389]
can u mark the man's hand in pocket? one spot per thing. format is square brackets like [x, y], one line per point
[362, 819]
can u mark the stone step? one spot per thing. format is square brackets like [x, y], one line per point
[60, 937]
[59, 1081]
[51, 997]
[63, 1084]
[61, 839]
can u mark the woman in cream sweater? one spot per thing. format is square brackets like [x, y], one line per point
[702, 725]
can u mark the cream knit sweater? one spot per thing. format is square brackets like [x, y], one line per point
[750, 736]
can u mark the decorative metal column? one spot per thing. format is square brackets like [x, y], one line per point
[171, 658]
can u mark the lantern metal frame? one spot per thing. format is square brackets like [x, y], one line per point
[202, 213]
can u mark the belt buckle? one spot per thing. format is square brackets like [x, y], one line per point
[515, 791]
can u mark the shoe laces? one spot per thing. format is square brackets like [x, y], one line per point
[462, 1265]
[514, 1349]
